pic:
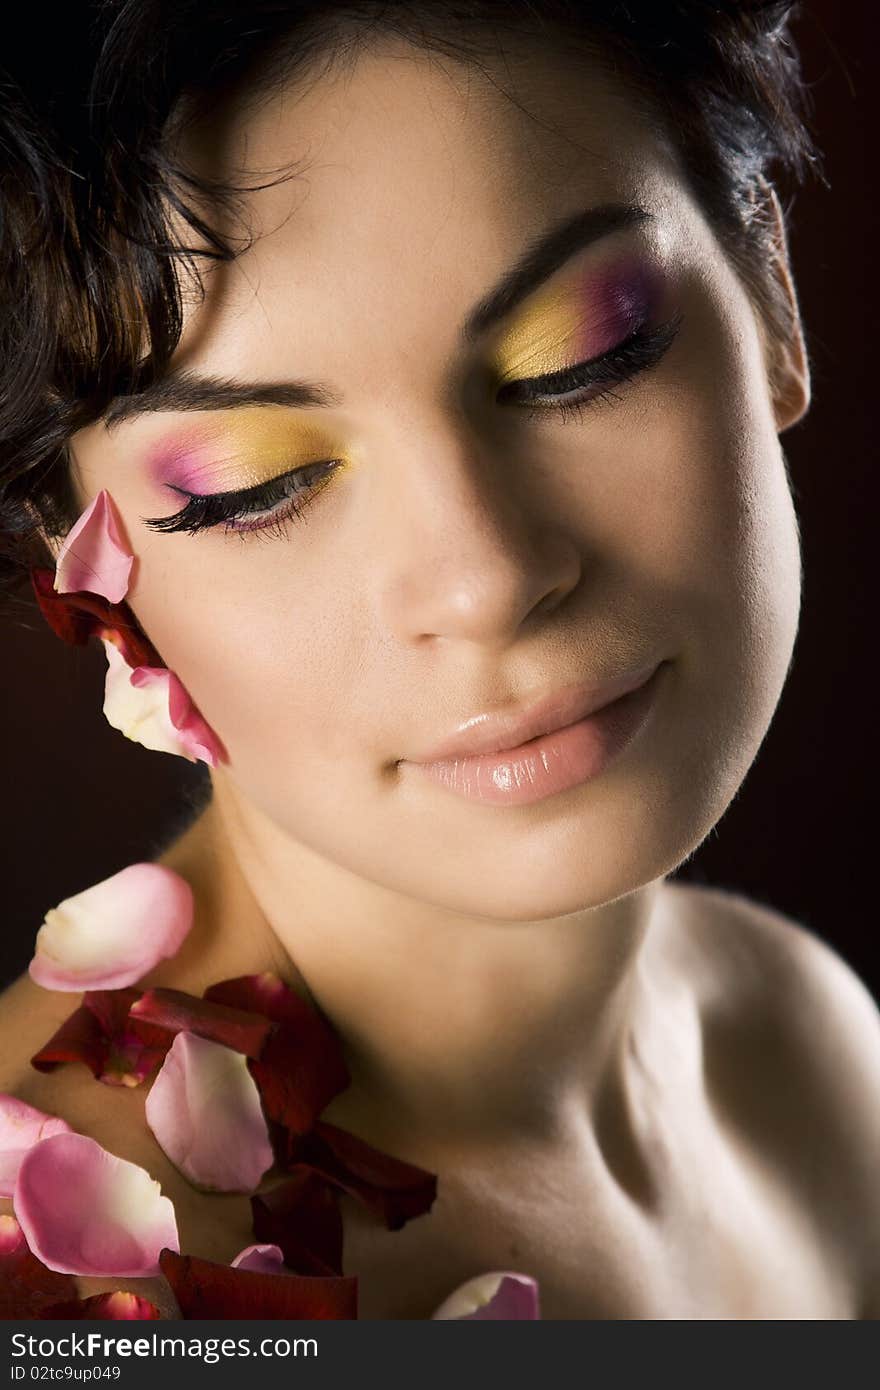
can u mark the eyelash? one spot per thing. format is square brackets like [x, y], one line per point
[226, 508]
[643, 349]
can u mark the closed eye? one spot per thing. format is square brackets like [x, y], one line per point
[572, 389]
[292, 490]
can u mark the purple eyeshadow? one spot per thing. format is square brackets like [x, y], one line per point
[616, 303]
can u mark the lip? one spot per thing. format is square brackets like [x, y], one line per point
[554, 761]
[500, 732]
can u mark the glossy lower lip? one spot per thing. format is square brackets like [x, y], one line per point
[553, 762]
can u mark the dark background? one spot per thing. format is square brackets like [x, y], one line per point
[80, 801]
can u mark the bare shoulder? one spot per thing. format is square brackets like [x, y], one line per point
[792, 1048]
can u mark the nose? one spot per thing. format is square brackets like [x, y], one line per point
[472, 556]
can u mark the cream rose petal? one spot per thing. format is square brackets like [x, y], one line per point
[94, 557]
[85, 1211]
[501, 1294]
[112, 934]
[22, 1126]
[150, 706]
[204, 1109]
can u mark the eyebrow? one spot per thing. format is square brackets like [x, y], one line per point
[185, 390]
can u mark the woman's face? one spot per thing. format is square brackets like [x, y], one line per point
[461, 546]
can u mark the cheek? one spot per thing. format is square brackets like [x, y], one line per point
[720, 524]
[267, 647]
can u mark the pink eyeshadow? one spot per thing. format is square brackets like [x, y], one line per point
[185, 463]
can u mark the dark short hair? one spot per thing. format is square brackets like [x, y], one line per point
[90, 272]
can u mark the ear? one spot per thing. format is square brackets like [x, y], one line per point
[788, 368]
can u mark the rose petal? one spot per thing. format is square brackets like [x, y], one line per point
[204, 1110]
[94, 556]
[151, 707]
[77, 617]
[301, 1216]
[176, 1011]
[99, 1034]
[86, 1211]
[111, 934]
[396, 1191]
[300, 1067]
[80, 1038]
[196, 736]
[21, 1126]
[269, 1259]
[204, 1289]
[118, 1306]
[26, 1285]
[501, 1294]
[269, 995]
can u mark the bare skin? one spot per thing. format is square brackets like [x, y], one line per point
[658, 1101]
[736, 1182]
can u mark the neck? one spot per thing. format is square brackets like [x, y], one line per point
[463, 1031]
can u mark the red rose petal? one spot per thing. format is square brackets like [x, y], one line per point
[269, 995]
[26, 1285]
[296, 1081]
[176, 1011]
[396, 1191]
[301, 1066]
[118, 1306]
[78, 616]
[130, 1057]
[79, 1039]
[302, 1217]
[207, 1290]
[97, 1033]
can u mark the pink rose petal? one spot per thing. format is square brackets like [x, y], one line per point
[86, 1211]
[21, 1126]
[94, 557]
[501, 1294]
[150, 706]
[266, 1259]
[204, 1109]
[113, 933]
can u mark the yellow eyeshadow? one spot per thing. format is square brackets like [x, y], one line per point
[244, 449]
[544, 338]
